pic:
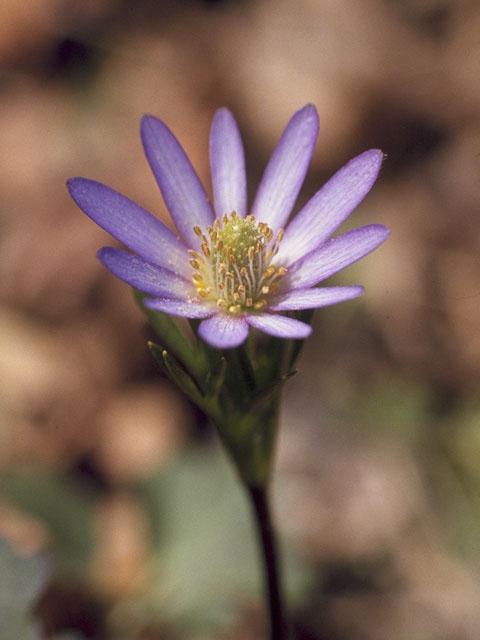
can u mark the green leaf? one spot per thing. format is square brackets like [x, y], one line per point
[63, 505]
[206, 565]
[22, 579]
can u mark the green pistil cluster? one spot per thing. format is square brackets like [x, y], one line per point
[234, 269]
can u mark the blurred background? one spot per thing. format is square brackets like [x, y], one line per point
[119, 517]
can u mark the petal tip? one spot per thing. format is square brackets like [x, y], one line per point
[147, 124]
[74, 183]
[378, 232]
[369, 163]
[309, 109]
[104, 253]
[147, 118]
[382, 229]
[223, 112]
[84, 190]
[310, 113]
[376, 154]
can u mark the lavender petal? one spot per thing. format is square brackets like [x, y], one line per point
[227, 162]
[336, 254]
[184, 308]
[280, 326]
[131, 224]
[286, 170]
[330, 206]
[181, 188]
[223, 331]
[315, 298]
[145, 276]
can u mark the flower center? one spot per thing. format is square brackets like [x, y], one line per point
[234, 269]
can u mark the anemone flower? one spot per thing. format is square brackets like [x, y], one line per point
[232, 266]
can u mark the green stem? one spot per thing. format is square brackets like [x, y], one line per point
[243, 364]
[268, 547]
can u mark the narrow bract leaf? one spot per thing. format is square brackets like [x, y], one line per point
[180, 377]
[175, 340]
[215, 379]
[264, 395]
[156, 351]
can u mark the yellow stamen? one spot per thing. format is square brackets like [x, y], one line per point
[236, 269]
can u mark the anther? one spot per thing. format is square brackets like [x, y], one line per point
[195, 264]
[268, 273]
[265, 289]
[198, 231]
[230, 255]
[282, 271]
[206, 249]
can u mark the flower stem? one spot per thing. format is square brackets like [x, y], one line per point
[268, 548]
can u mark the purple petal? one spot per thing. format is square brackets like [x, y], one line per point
[286, 169]
[314, 298]
[184, 308]
[131, 224]
[330, 206]
[336, 254]
[145, 276]
[181, 188]
[223, 331]
[280, 326]
[227, 162]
